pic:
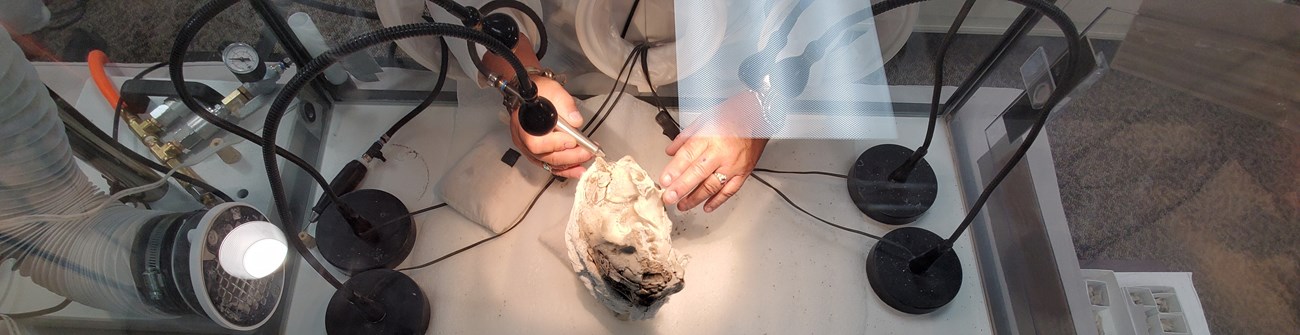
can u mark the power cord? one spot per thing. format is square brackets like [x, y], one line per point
[533, 201]
[184, 37]
[617, 80]
[411, 214]
[311, 70]
[630, 14]
[489, 238]
[121, 103]
[670, 127]
[352, 173]
[428, 100]
[824, 173]
[832, 224]
[628, 65]
[41, 312]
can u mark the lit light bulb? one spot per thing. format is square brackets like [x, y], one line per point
[253, 250]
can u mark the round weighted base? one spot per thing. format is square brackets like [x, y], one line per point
[343, 248]
[397, 305]
[887, 201]
[892, 279]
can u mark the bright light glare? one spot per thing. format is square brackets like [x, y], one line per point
[264, 257]
[253, 250]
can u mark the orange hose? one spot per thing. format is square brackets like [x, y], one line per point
[96, 60]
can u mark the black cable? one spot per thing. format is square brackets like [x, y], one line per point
[428, 100]
[617, 80]
[1073, 58]
[337, 9]
[612, 89]
[628, 22]
[832, 224]
[618, 97]
[467, 15]
[1074, 55]
[903, 171]
[117, 111]
[938, 71]
[824, 173]
[46, 311]
[489, 238]
[666, 122]
[316, 66]
[184, 37]
[411, 214]
[351, 175]
[645, 71]
[117, 117]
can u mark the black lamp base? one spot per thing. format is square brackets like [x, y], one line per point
[887, 201]
[405, 308]
[392, 242]
[892, 279]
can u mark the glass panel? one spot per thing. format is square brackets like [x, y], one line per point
[774, 166]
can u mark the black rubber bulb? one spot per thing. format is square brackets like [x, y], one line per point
[753, 69]
[502, 28]
[538, 117]
[790, 77]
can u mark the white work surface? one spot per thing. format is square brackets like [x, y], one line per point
[756, 265]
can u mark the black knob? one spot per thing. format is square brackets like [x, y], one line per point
[537, 117]
[503, 28]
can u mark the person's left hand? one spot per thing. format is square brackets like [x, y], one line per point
[712, 158]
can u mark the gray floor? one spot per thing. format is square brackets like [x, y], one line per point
[1152, 179]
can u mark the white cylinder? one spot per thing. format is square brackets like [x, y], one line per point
[311, 39]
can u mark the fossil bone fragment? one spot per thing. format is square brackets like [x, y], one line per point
[619, 243]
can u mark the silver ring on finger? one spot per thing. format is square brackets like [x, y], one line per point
[722, 178]
[546, 166]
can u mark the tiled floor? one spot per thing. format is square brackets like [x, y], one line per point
[1147, 173]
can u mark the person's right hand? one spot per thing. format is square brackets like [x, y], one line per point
[557, 148]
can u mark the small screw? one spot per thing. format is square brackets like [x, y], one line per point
[309, 113]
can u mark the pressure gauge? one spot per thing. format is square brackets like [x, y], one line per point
[243, 61]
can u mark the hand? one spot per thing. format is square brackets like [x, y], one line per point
[558, 149]
[721, 146]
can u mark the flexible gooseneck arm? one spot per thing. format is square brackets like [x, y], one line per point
[317, 66]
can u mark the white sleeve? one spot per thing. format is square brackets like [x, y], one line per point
[460, 48]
